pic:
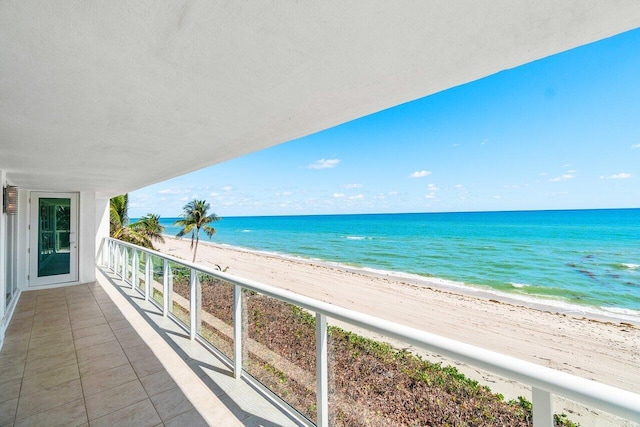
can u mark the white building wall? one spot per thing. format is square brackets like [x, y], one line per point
[101, 223]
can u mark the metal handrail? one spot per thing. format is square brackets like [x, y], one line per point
[543, 380]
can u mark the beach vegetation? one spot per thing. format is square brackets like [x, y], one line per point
[142, 232]
[371, 382]
[196, 217]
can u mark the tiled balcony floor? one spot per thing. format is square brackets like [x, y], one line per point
[72, 357]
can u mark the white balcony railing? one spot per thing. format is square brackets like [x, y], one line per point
[124, 260]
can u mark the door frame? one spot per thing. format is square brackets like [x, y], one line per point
[34, 224]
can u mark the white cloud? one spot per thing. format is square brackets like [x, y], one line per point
[430, 196]
[456, 145]
[497, 197]
[635, 146]
[393, 193]
[338, 195]
[351, 185]
[358, 197]
[484, 142]
[621, 175]
[566, 165]
[563, 177]
[324, 164]
[432, 187]
[542, 174]
[172, 191]
[420, 174]
[459, 187]
[228, 188]
[214, 194]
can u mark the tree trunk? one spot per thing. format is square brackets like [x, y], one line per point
[195, 248]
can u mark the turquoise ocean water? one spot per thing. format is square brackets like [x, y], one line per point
[586, 257]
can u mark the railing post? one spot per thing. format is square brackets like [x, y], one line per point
[148, 267]
[542, 408]
[237, 331]
[135, 262]
[192, 304]
[115, 254]
[166, 271]
[124, 264]
[109, 266]
[322, 371]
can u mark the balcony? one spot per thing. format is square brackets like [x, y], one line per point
[137, 348]
[87, 354]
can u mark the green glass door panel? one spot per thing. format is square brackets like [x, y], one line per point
[54, 236]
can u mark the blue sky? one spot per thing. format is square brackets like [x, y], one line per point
[559, 133]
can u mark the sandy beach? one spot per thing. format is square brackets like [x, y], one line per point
[604, 350]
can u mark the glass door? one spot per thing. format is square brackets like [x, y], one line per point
[53, 241]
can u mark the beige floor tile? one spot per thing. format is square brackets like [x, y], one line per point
[8, 411]
[138, 352]
[171, 403]
[100, 364]
[48, 330]
[24, 314]
[92, 340]
[144, 367]
[70, 414]
[45, 341]
[55, 308]
[17, 336]
[50, 378]
[50, 350]
[158, 383]
[49, 398]
[11, 370]
[85, 312]
[50, 320]
[11, 358]
[20, 325]
[15, 348]
[118, 324]
[10, 389]
[91, 330]
[190, 418]
[37, 366]
[109, 348]
[129, 340]
[101, 381]
[85, 323]
[139, 414]
[114, 399]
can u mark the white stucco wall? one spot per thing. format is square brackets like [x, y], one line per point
[101, 223]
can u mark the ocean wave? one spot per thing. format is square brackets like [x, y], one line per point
[246, 231]
[630, 266]
[519, 285]
[357, 238]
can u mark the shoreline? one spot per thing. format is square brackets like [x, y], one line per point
[603, 350]
[558, 306]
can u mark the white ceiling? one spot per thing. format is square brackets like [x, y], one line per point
[112, 96]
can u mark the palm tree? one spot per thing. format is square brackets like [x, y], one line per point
[193, 219]
[149, 226]
[140, 233]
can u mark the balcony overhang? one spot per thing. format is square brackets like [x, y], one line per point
[110, 97]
